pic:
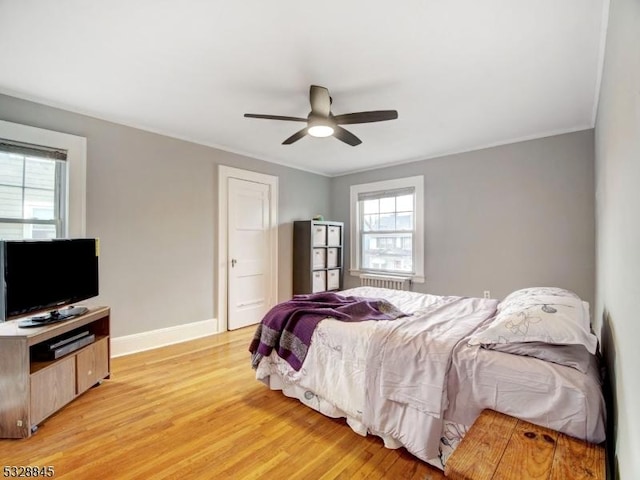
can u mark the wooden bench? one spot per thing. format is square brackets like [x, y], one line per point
[498, 446]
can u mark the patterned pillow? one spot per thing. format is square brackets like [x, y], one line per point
[544, 314]
[548, 299]
[533, 292]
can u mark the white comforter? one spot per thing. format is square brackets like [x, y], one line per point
[367, 372]
[345, 361]
[407, 370]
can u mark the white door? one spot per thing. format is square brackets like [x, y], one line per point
[248, 252]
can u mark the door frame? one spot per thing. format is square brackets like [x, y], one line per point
[224, 173]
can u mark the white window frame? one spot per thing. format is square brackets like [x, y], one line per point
[76, 171]
[417, 182]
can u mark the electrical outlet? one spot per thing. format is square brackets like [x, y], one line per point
[487, 294]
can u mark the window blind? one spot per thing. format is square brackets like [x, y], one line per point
[385, 194]
[29, 150]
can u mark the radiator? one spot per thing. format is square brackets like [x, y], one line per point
[384, 281]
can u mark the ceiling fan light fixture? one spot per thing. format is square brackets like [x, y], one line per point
[322, 123]
[320, 130]
[320, 126]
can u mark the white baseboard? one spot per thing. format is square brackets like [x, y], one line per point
[139, 342]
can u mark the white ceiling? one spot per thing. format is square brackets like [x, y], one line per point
[463, 74]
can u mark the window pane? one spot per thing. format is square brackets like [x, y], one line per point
[10, 169]
[40, 231]
[40, 173]
[388, 205]
[404, 221]
[404, 203]
[39, 204]
[11, 231]
[390, 252]
[371, 222]
[387, 222]
[371, 206]
[10, 202]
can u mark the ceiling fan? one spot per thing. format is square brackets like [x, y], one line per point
[322, 123]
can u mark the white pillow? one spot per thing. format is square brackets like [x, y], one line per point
[548, 298]
[540, 315]
[532, 292]
[557, 291]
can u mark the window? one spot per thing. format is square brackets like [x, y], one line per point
[42, 183]
[32, 191]
[387, 228]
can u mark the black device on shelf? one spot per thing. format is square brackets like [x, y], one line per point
[41, 276]
[59, 346]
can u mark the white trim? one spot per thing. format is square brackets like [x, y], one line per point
[139, 342]
[76, 147]
[224, 173]
[417, 183]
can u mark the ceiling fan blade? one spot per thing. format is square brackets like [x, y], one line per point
[346, 136]
[320, 100]
[275, 117]
[366, 117]
[295, 137]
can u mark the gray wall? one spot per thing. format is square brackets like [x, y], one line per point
[502, 218]
[152, 200]
[496, 219]
[617, 153]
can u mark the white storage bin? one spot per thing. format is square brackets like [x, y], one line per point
[332, 257]
[333, 235]
[319, 281]
[319, 257]
[319, 235]
[333, 279]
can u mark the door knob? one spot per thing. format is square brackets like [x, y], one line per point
[233, 262]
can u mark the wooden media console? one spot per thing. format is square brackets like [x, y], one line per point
[32, 388]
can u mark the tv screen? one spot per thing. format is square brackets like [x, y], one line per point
[41, 275]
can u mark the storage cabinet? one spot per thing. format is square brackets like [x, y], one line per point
[92, 364]
[52, 388]
[317, 256]
[33, 388]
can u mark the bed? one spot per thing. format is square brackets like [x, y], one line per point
[421, 377]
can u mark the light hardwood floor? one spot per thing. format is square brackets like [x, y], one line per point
[194, 410]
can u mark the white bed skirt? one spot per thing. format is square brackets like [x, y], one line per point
[450, 439]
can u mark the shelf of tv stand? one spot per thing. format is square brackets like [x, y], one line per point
[32, 390]
[37, 365]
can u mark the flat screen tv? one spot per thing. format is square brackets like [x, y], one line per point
[44, 276]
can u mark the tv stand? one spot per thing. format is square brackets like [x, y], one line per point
[52, 317]
[33, 389]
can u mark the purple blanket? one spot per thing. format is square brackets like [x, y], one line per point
[289, 326]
